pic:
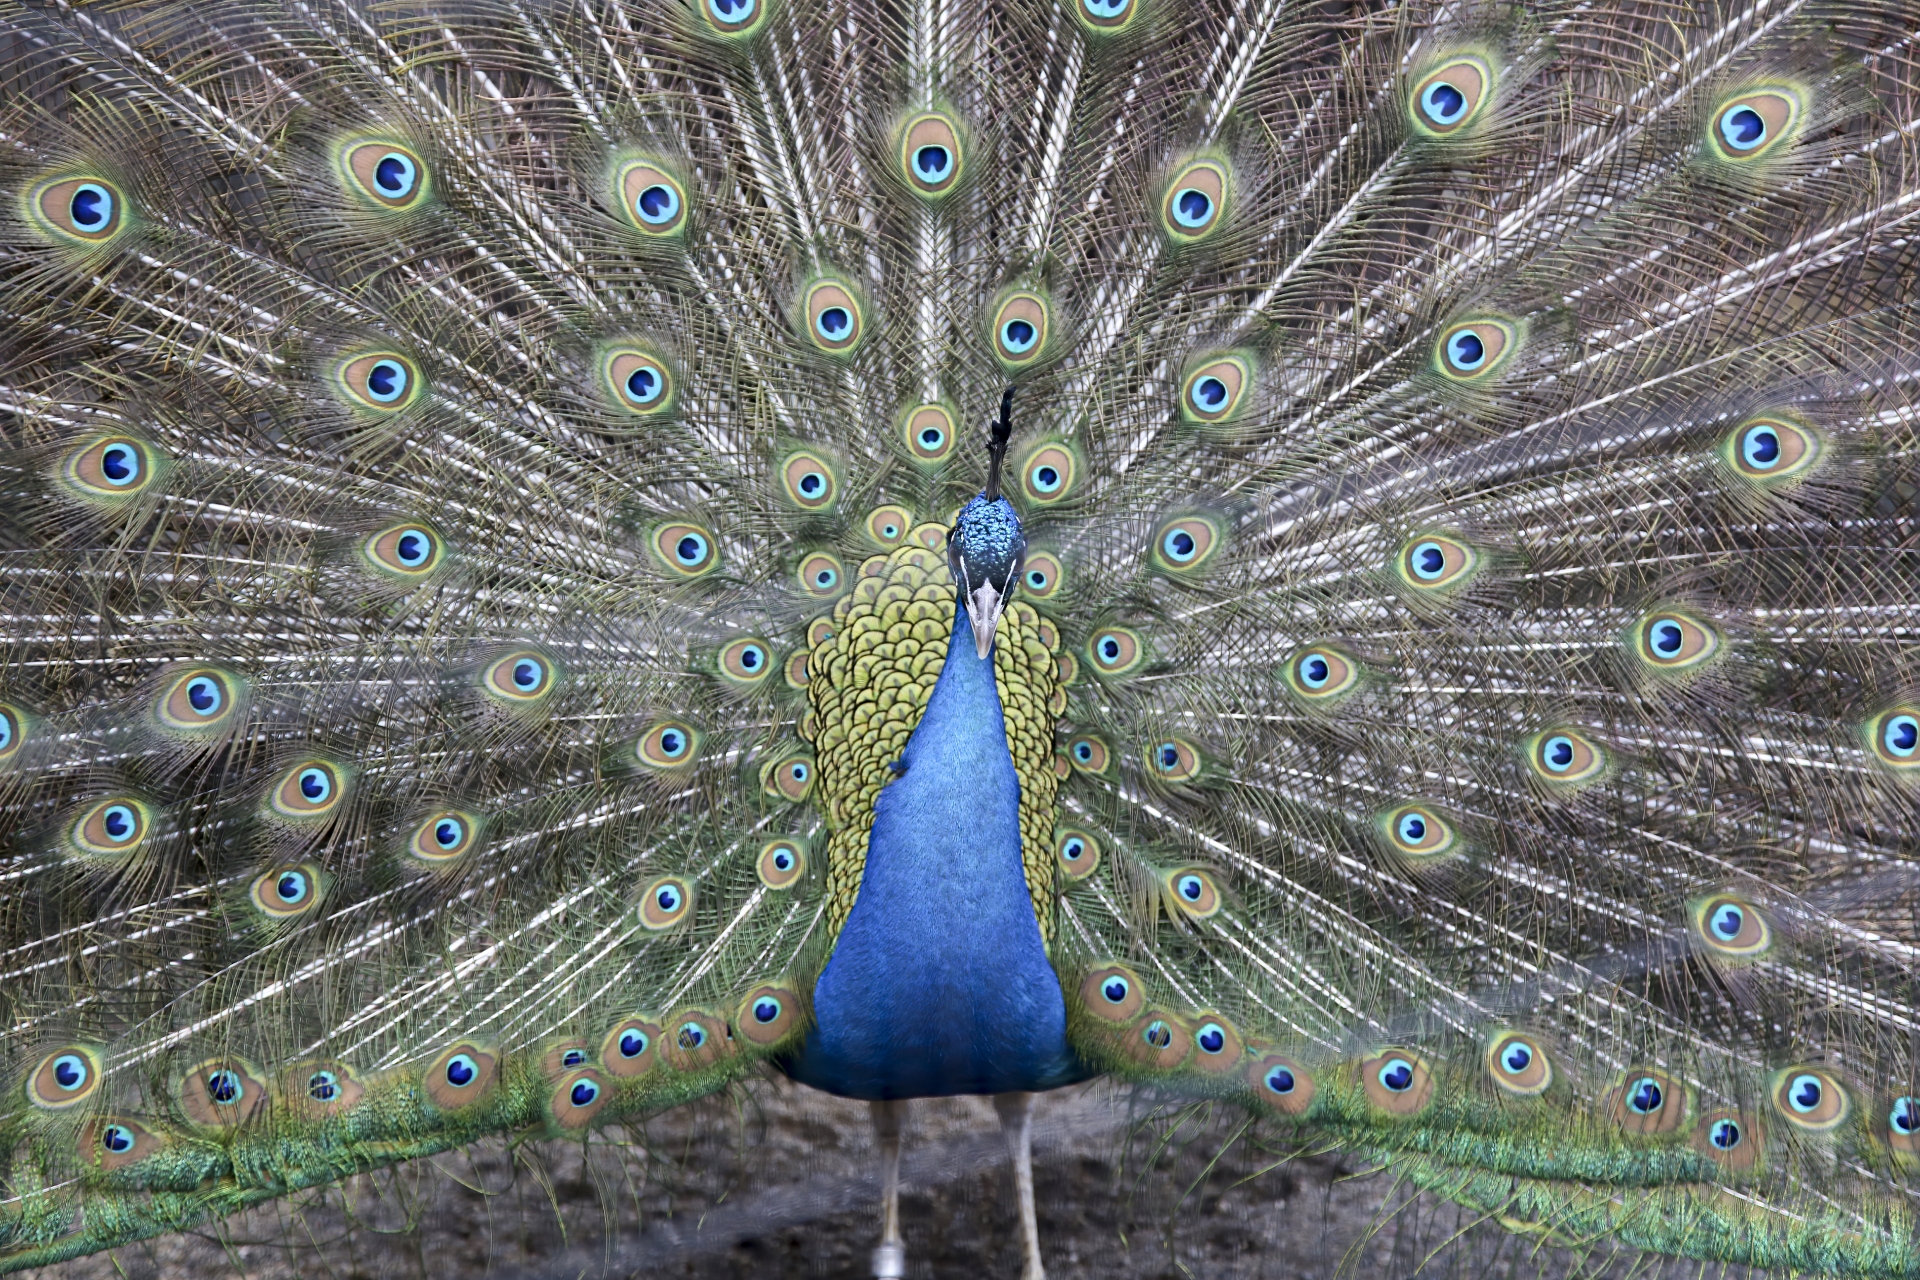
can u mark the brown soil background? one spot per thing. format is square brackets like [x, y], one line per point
[779, 1181]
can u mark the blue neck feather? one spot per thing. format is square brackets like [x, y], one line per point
[939, 982]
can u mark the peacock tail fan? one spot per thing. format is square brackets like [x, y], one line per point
[476, 490]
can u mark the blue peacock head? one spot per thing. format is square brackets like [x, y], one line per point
[986, 548]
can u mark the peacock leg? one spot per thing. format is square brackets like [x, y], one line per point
[890, 1258]
[1016, 1122]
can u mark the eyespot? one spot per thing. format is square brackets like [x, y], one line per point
[1048, 474]
[746, 662]
[782, 863]
[318, 1089]
[407, 552]
[665, 902]
[460, 1075]
[1042, 574]
[1216, 390]
[523, 677]
[1174, 760]
[1217, 1045]
[735, 19]
[112, 828]
[1158, 1040]
[1434, 562]
[1564, 757]
[686, 549]
[1648, 1102]
[383, 381]
[1186, 543]
[1903, 1125]
[1192, 208]
[788, 778]
[576, 1099]
[1115, 651]
[808, 481]
[1112, 994]
[820, 575]
[1089, 754]
[928, 432]
[1078, 853]
[444, 838]
[88, 210]
[389, 175]
[222, 1092]
[1019, 330]
[1106, 17]
[627, 1050]
[196, 700]
[286, 892]
[834, 319]
[931, 155]
[110, 1143]
[1771, 450]
[1322, 674]
[696, 1039]
[1730, 928]
[669, 746]
[888, 526]
[1397, 1082]
[638, 381]
[1472, 350]
[1448, 98]
[653, 200]
[65, 1078]
[308, 790]
[1280, 1084]
[1894, 737]
[768, 1015]
[1673, 641]
[1810, 1098]
[13, 731]
[1518, 1065]
[1193, 891]
[1753, 124]
[1416, 832]
[113, 467]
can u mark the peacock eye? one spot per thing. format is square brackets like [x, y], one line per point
[1472, 350]
[1019, 329]
[654, 201]
[668, 745]
[808, 482]
[633, 1043]
[448, 833]
[1321, 674]
[1157, 1034]
[443, 838]
[664, 902]
[1037, 579]
[685, 548]
[307, 790]
[657, 204]
[90, 209]
[1106, 13]
[1449, 96]
[1671, 640]
[117, 1138]
[1724, 1134]
[1418, 833]
[224, 1087]
[112, 828]
[1752, 123]
[87, 209]
[583, 1093]
[1079, 854]
[1185, 543]
[1115, 651]
[384, 380]
[1904, 1118]
[1115, 990]
[391, 176]
[323, 1086]
[1810, 1099]
[113, 469]
[1644, 1096]
[1280, 1080]
[462, 1070]
[1900, 736]
[782, 862]
[1175, 760]
[1771, 451]
[70, 1071]
[820, 575]
[788, 777]
[1192, 202]
[1519, 1065]
[766, 1009]
[930, 155]
[1395, 1075]
[1210, 1037]
[1019, 336]
[927, 430]
[833, 317]
[11, 733]
[291, 888]
[1194, 893]
[519, 678]
[691, 1036]
[745, 662]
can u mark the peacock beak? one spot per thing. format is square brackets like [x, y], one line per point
[985, 603]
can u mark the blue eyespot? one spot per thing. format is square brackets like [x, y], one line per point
[1192, 888]
[386, 381]
[70, 1071]
[1413, 828]
[933, 163]
[673, 743]
[732, 12]
[669, 898]
[1046, 479]
[91, 207]
[1158, 1034]
[1724, 1134]
[1209, 393]
[1192, 209]
[413, 546]
[1901, 736]
[1557, 754]
[462, 1070]
[573, 1057]
[224, 1087]
[1443, 103]
[931, 438]
[1211, 1038]
[119, 823]
[1644, 1097]
[1073, 849]
[1179, 545]
[1314, 671]
[1727, 921]
[1106, 9]
[1904, 1118]
[1743, 128]
[692, 1036]
[1804, 1093]
[395, 175]
[644, 384]
[657, 205]
[1517, 1058]
[583, 1093]
[1083, 752]
[315, 785]
[1280, 1080]
[833, 323]
[1760, 446]
[117, 1138]
[1429, 561]
[1396, 1075]
[120, 464]
[292, 888]
[1036, 581]
[203, 695]
[825, 577]
[766, 1009]
[448, 832]
[323, 1086]
[691, 549]
[1116, 990]
[1465, 350]
[798, 771]
[633, 1043]
[1667, 638]
[1019, 336]
[526, 674]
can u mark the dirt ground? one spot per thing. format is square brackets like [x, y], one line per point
[779, 1181]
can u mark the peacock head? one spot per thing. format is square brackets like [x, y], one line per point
[985, 548]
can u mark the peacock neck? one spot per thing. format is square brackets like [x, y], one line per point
[939, 982]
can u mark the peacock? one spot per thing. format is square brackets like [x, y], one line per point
[1357, 563]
